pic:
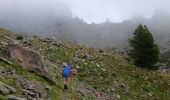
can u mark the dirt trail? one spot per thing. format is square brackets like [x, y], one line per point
[65, 95]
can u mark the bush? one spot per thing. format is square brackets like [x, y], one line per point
[19, 37]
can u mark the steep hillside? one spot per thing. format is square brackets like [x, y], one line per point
[101, 75]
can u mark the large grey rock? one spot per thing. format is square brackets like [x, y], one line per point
[29, 60]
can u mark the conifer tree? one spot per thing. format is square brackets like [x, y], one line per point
[144, 52]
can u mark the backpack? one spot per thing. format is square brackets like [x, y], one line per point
[74, 71]
[67, 70]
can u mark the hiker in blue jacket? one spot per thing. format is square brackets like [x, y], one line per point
[66, 72]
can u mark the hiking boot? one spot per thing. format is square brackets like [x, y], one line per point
[65, 86]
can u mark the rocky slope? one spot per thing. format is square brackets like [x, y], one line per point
[165, 62]
[101, 75]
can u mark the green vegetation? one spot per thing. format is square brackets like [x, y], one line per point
[2, 97]
[98, 70]
[19, 37]
[144, 52]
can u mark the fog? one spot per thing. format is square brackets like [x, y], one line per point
[99, 23]
[90, 10]
[115, 10]
[30, 16]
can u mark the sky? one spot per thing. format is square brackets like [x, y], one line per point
[115, 10]
[99, 10]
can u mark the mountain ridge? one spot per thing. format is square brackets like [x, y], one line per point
[74, 29]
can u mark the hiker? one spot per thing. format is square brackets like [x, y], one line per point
[74, 71]
[66, 72]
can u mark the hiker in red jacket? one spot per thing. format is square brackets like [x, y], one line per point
[66, 72]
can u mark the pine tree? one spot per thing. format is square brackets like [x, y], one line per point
[144, 52]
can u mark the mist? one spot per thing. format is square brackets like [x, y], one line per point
[99, 23]
[92, 11]
[31, 16]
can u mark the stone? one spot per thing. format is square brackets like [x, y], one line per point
[104, 54]
[84, 98]
[115, 84]
[6, 61]
[12, 97]
[103, 69]
[77, 67]
[118, 96]
[150, 94]
[97, 65]
[84, 91]
[30, 60]
[47, 87]
[32, 88]
[3, 70]
[26, 92]
[113, 89]
[39, 89]
[6, 89]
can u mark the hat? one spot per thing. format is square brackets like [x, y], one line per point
[64, 64]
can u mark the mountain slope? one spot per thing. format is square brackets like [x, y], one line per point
[63, 26]
[102, 75]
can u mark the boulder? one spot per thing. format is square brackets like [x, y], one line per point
[29, 60]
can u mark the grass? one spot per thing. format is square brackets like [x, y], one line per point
[133, 82]
[105, 72]
[55, 93]
[2, 97]
[57, 90]
[11, 82]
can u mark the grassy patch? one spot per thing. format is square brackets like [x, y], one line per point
[2, 97]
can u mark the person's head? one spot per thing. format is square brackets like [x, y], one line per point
[64, 64]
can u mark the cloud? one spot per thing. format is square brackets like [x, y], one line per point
[115, 10]
[91, 10]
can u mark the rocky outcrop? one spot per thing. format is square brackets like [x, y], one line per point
[32, 90]
[29, 59]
